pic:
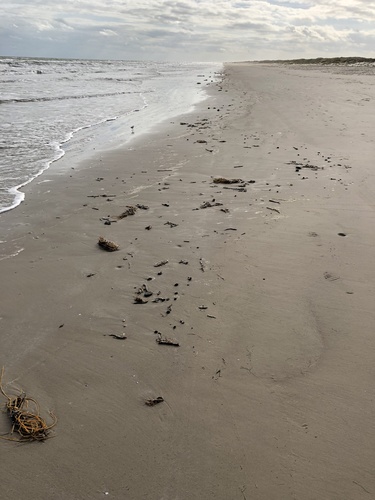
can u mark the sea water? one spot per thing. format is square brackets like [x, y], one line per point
[52, 107]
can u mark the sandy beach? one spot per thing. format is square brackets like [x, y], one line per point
[265, 283]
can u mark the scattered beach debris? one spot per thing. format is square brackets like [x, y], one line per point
[24, 413]
[171, 224]
[161, 263]
[130, 210]
[107, 245]
[274, 201]
[238, 166]
[299, 166]
[160, 299]
[101, 196]
[201, 141]
[167, 341]
[142, 207]
[148, 228]
[230, 229]
[153, 402]
[118, 337]
[239, 189]
[225, 210]
[209, 204]
[169, 310]
[273, 209]
[210, 316]
[185, 262]
[202, 265]
[202, 307]
[146, 291]
[223, 180]
[139, 300]
[341, 234]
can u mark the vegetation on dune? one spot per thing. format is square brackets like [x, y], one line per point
[323, 60]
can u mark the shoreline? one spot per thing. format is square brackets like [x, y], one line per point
[113, 131]
[269, 282]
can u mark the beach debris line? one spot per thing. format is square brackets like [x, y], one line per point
[154, 401]
[116, 336]
[24, 413]
[108, 245]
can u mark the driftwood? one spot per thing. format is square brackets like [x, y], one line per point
[24, 414]
[130, 210]
[223, 180]
[166, 341]
[161, 263]
[110, 246]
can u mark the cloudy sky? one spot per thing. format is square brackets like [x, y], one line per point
[187, 30]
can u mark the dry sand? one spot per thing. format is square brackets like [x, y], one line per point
[270, 394]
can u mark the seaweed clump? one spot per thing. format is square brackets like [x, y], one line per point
[24, 414]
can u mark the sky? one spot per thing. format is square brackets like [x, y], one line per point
[187, 30]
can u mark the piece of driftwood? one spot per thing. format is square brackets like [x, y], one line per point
[273, 209]
[24, 414]
[161, 263]
[130, 210]
[107, 245]
[118, 337]
[223, 180]
[166, 341]
[153, 402]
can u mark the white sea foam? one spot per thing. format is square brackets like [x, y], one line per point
[72, 103]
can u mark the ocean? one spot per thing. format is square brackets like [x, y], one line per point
[53, 107]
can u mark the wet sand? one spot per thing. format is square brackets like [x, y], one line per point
[268, 290]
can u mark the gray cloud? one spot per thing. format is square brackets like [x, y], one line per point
[187, 29]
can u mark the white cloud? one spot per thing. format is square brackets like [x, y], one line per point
[187, 29]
